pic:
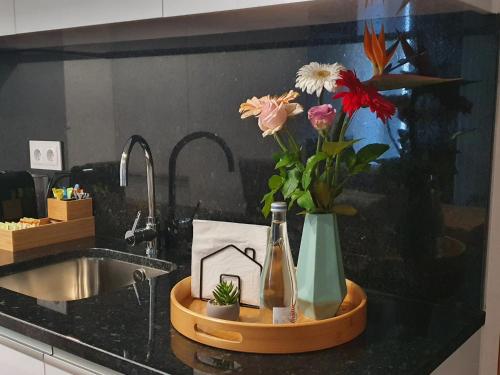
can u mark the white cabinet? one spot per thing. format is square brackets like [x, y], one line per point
[64, 363]
[35, 15]
[172, 8]
[51, 370]
[19, 359]
[54, 366]
[7, 22]
[464, 361]
[22, 355]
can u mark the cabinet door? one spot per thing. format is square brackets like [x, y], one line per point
[52, 370]
[19, 359]
[173, 8]
[64, 368]
[63, 363]
[464, 361]
[36, 15]
[7, 23]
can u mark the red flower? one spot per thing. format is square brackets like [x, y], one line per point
[362, 96]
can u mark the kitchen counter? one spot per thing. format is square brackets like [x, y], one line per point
[134, 336]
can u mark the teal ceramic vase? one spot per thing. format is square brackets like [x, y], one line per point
[320, 271]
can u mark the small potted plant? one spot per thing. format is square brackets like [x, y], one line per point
[225, 304]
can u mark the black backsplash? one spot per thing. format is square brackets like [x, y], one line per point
[422, 221]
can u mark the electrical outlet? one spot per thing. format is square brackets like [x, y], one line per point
[46, 155]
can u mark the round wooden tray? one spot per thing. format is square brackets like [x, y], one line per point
[249, 335]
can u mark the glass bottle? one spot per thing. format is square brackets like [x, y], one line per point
[278, 286]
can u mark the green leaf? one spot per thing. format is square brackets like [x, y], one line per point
[226, 293]
[360, 168]
[323, 177]
[299, 165]
[385, 82]
[233, 296]
[335, 148]
[310, 166]
[370, 153]
[295, 195]
[275, 182]
[360, 162]
[291, 183]
[285, 160]
[349, 158]
[268, 199]
[277, 156]
[306, 202]
[344, 209]
[322, 193]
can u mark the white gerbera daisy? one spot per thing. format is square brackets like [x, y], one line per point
[314, 77]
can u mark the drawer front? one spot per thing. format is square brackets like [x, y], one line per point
[19, 359]
[55, 366]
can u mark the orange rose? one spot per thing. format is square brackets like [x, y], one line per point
[272, 111]
[272, 117]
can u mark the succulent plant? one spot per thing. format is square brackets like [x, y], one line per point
[225, 294]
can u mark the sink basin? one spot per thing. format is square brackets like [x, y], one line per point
[77, 278]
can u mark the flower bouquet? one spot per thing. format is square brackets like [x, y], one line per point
[315, 181]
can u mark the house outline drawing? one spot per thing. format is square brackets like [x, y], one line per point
[227, 270]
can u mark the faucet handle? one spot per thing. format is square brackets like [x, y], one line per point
[136, 221]
[130, 235]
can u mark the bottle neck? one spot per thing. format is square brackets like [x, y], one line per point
[279, 217]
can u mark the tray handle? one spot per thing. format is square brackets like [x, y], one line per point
[214, 335]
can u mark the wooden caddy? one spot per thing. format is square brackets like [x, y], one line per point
[69, 210]
[70, 220]
[248, 335]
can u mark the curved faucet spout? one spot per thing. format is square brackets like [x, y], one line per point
[149, 233]
[127, 149]
[172, 163]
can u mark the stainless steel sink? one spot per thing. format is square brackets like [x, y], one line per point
[77, 278]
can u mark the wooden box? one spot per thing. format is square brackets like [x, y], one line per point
[69, 210]
[48, 234]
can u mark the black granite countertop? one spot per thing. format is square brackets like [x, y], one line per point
[403, 336]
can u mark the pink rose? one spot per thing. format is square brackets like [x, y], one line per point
[272, 117]
[321, 116]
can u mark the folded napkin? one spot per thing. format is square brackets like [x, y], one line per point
[227, 251]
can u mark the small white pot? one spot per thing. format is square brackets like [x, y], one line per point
[226, 312]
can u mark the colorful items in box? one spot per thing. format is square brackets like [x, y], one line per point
[70, 193]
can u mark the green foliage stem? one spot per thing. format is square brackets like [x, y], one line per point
[315, 184]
